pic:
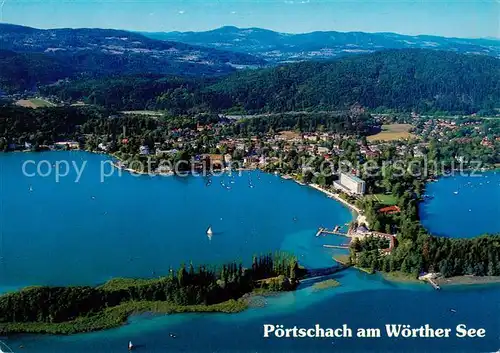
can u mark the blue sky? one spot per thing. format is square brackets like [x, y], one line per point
[452, 18]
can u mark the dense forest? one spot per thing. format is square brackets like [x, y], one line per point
[20, 71]
[419, 80]
[410, 80]
[187, 286]
[451, 257]
[343, 123]
[151, 92]
[46, 125]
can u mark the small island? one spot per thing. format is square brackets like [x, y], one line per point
[329, 283]
[70, 310]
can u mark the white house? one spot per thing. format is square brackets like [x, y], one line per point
[144, 150]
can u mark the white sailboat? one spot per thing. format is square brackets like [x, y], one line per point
[130, 346]
[4, 348]
[210, 232]
[31, 190]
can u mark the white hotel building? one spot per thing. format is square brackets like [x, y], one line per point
[350, 184]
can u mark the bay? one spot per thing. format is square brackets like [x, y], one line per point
[463, 206]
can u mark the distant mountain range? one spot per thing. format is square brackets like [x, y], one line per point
[61, 53]
[282, 47]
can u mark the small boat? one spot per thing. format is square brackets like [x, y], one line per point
[209, 231]
[453, 310]
[31, 190]
[130, 346]
[4, 348]
[455, 192]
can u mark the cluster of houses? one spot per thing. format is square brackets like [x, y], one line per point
[440, 128]
[28, 146]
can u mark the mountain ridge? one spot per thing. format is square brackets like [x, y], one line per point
[277, 47]
[98, 52]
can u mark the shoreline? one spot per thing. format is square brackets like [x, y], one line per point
[358, 217]
[468, 280]
[358, 213]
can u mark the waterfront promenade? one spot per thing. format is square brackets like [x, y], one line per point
[359, 216]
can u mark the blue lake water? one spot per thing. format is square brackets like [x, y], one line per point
[87, 232]
[463, 206]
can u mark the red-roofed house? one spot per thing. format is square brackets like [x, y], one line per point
[390, 210]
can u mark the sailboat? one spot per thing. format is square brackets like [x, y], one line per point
[209, 231]
[4, 348]
[31, 190]
[130, 346]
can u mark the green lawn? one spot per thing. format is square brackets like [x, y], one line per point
[34, 103]
[388, 200]
[41, 103]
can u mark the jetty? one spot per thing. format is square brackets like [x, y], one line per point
[431, 278]
[336, 246]
[434, 284]
[335, 231]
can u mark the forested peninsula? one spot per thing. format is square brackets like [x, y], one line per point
[69, 310]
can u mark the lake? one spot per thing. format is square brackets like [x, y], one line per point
[463, 206]
[87, 232]
[59, 233]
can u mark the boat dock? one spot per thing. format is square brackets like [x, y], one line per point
[430, 277]
[434, 284]
[336, 246]
[335, 231]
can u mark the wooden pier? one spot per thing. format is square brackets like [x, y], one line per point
[335, 231]
[336, 246]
